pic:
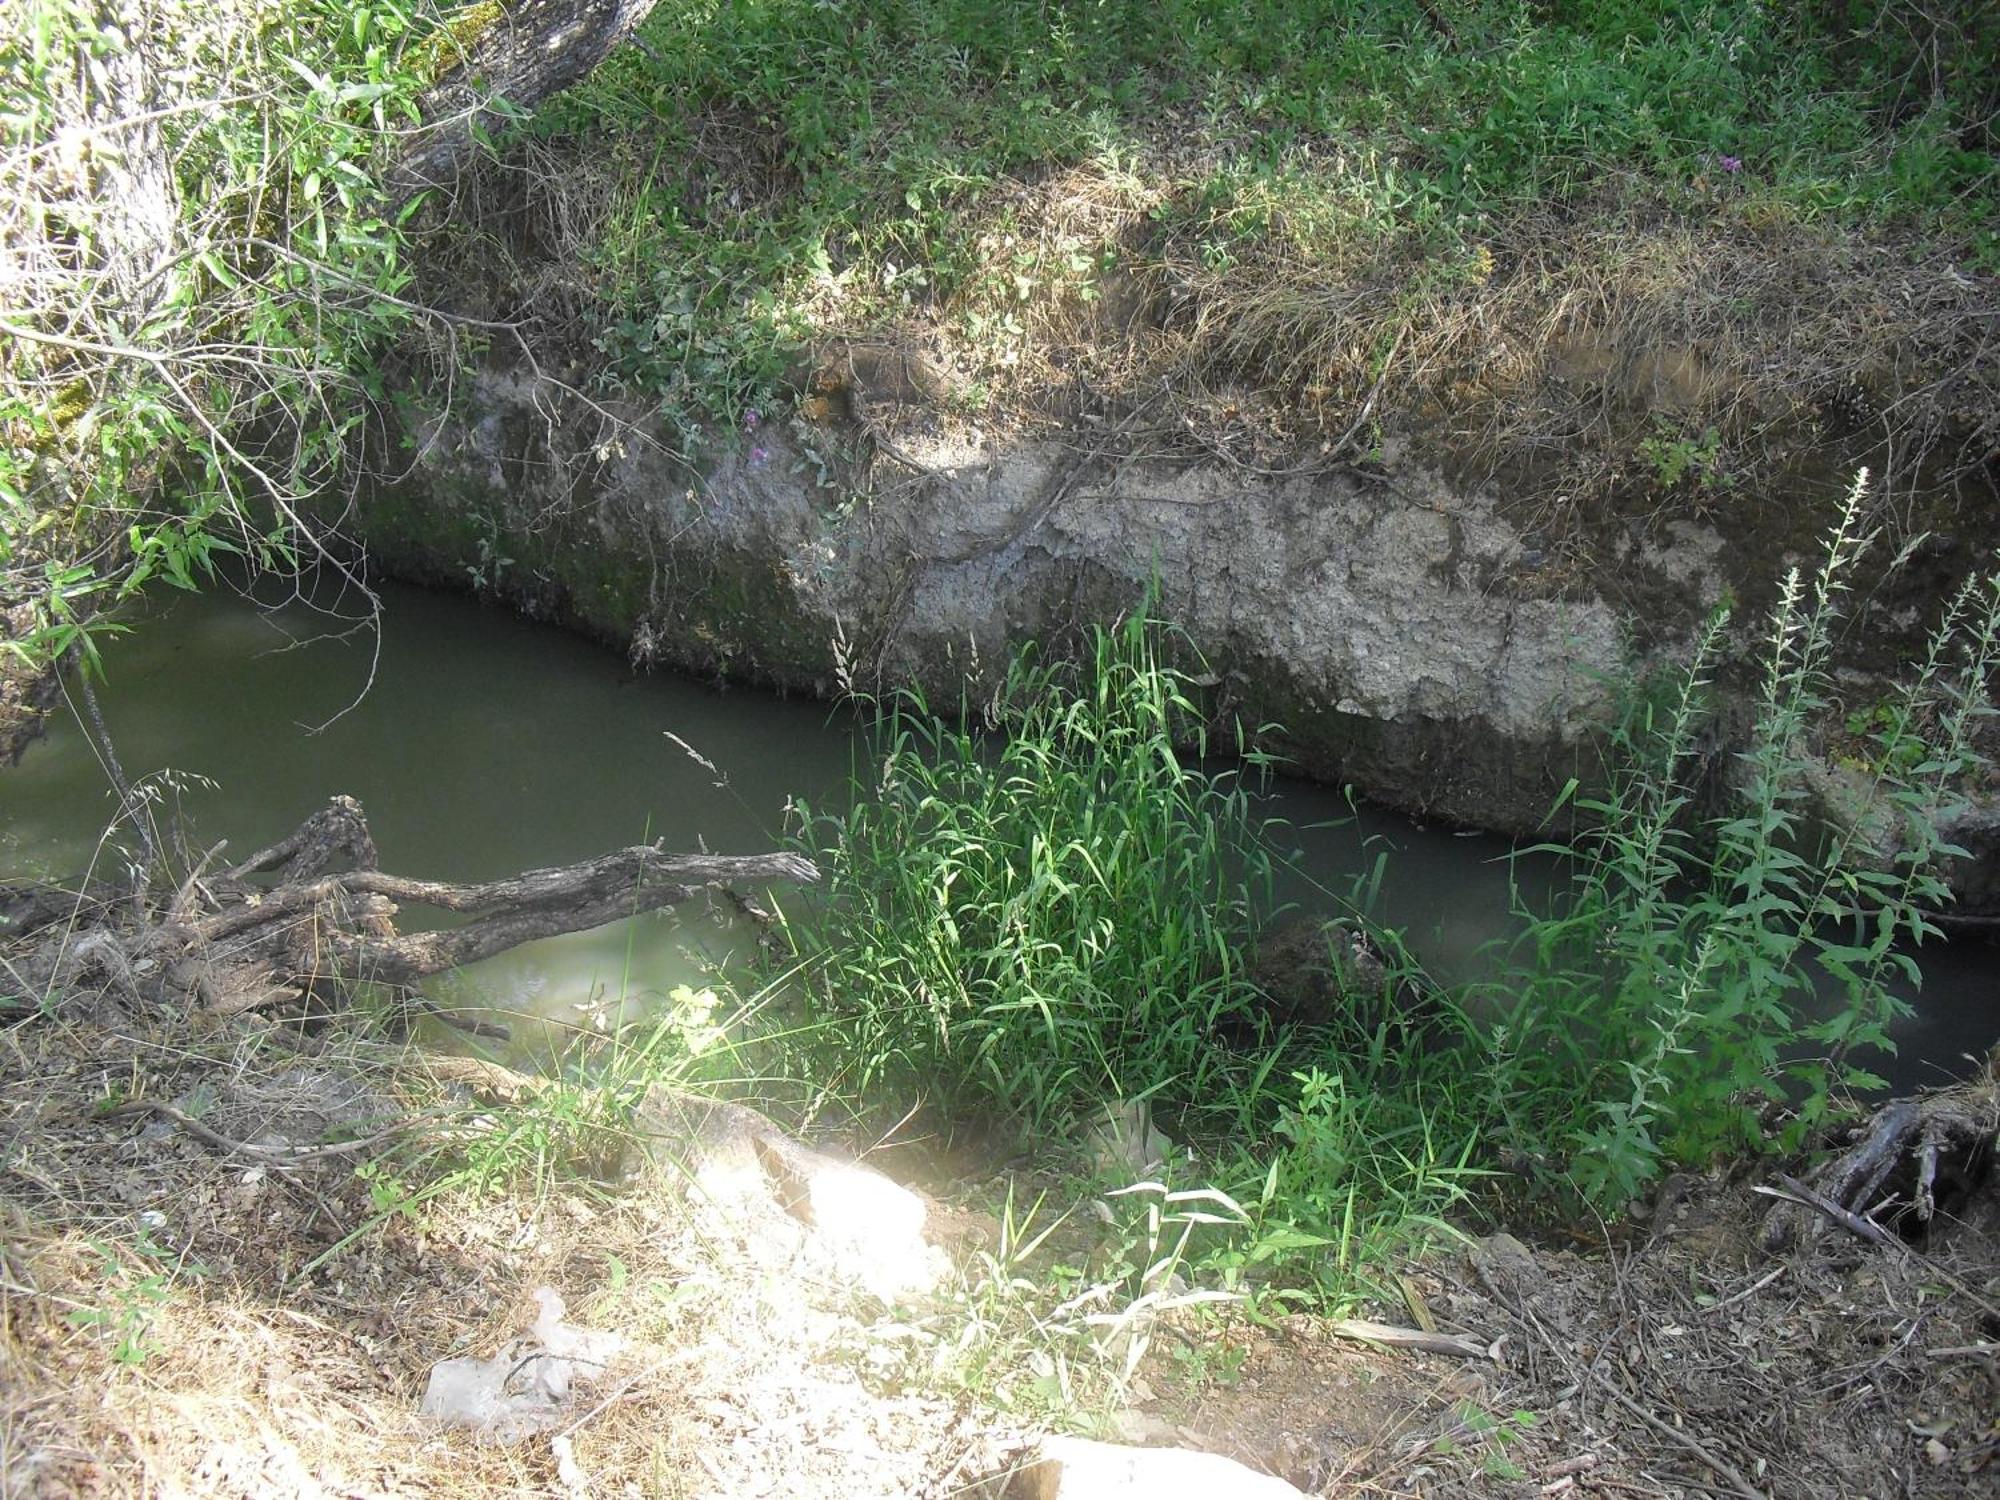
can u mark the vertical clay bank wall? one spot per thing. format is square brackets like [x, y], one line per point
[1408, 637]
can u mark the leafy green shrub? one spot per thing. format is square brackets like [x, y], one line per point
[1369, 1161]
[201, 268]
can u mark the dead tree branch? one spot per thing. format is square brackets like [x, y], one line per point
[236, 945]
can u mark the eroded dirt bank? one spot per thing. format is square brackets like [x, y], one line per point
[1372, 616]
[1415, 637]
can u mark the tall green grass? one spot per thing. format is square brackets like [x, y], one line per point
[1021, 926]
[1024, 926]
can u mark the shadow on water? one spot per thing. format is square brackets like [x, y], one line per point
[484, 744]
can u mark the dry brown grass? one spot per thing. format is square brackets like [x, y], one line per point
[1564, 356]
[1570, 360]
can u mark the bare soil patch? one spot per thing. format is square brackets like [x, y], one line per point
[178, 1319]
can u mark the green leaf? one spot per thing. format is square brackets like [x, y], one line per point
[319, 81]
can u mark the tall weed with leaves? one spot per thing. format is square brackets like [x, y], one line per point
[1681, 986]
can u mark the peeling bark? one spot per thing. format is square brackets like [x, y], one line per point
[510, 60]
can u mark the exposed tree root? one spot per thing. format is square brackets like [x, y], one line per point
[1915, 1156]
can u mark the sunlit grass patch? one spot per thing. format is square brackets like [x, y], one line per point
[1522, 242]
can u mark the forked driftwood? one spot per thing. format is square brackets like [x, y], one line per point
[231, 944]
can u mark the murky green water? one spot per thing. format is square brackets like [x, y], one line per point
[478, 744]
[481, 744]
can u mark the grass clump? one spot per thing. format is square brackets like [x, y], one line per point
[1020, 931]
[1027, 926]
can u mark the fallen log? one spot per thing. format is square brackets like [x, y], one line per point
[233, 944]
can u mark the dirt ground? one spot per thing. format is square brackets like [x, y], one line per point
[182, 1316]
[1677, 1360]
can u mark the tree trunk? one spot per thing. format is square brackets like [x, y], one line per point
[502, 60]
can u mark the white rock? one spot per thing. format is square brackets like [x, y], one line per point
[1069, 1468]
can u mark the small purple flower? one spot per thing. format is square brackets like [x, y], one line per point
[1731, 163]
[759, 457]
[752, 419]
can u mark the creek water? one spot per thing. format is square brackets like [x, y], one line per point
[481, 744]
